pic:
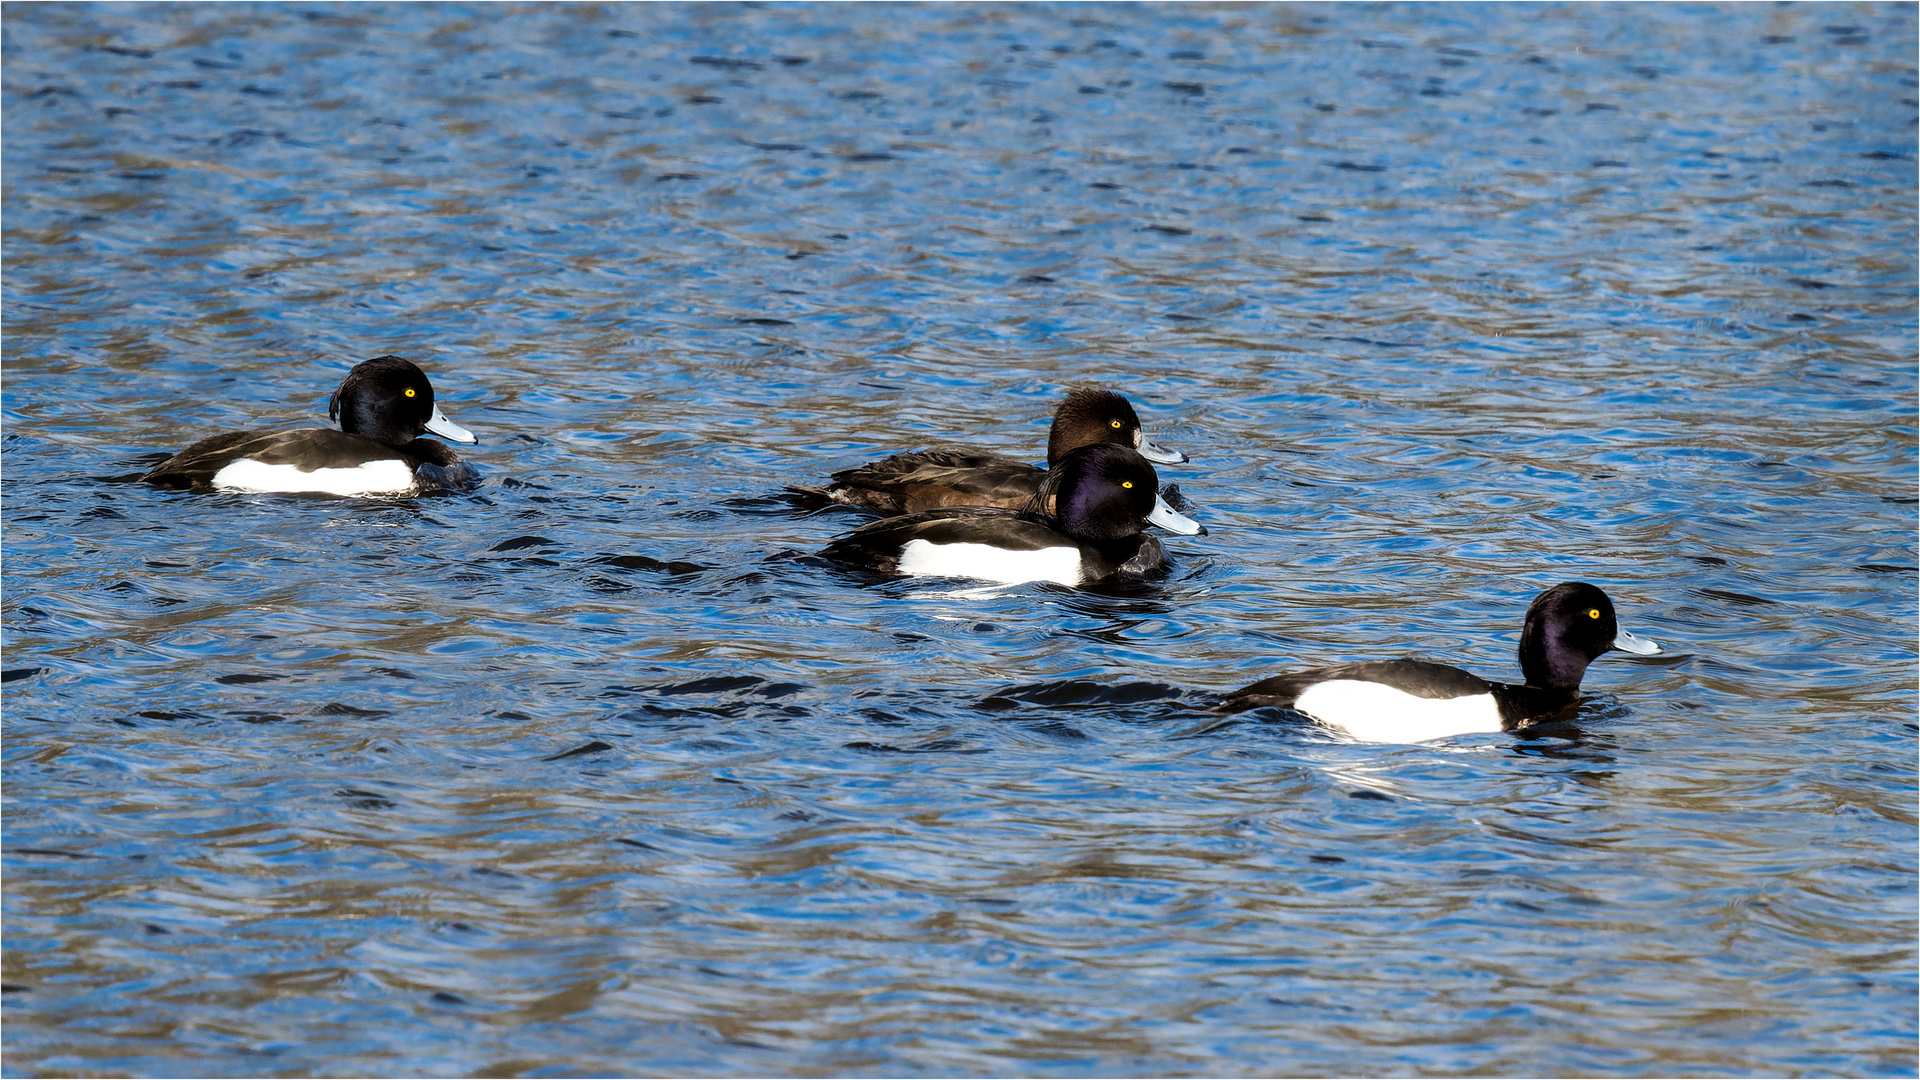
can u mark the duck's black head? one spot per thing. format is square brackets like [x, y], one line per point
[1090, 417]
[1568, 626]
[390, 400]
[1107, 493]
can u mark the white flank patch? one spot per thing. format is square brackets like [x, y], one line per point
[1372, 712]
[988, 563]
[388, 477]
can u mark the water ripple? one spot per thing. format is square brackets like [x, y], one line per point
[1446, 305]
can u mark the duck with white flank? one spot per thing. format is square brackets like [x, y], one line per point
[1567, 627]
[384, 407]
[1105, 496]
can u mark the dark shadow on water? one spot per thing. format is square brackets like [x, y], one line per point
[1117, 598]
[594, 747]
[932, 746]
[1081, 693]
[672, 568]
[718, 684]
[650, 715]
[693, 702]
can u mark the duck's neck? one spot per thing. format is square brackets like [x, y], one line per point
[1548, 667]
[1525, 706]
[371, 427]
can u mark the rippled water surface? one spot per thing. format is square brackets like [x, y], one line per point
[595, 770]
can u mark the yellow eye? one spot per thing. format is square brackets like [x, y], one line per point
[409, 391]
[1593, 613]
[1115, 424]
[1128, 484]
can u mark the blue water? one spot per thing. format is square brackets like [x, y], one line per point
[595, 771]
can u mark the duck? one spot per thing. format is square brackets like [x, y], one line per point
[963, 476]
[1105, 495]
[383, 406]
[1409, 700]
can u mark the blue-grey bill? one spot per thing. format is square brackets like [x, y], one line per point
[447, 429]
[1173, 520]
[1159, 455]
[1639, 646]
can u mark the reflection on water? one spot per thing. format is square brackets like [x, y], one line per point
[596, 770]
